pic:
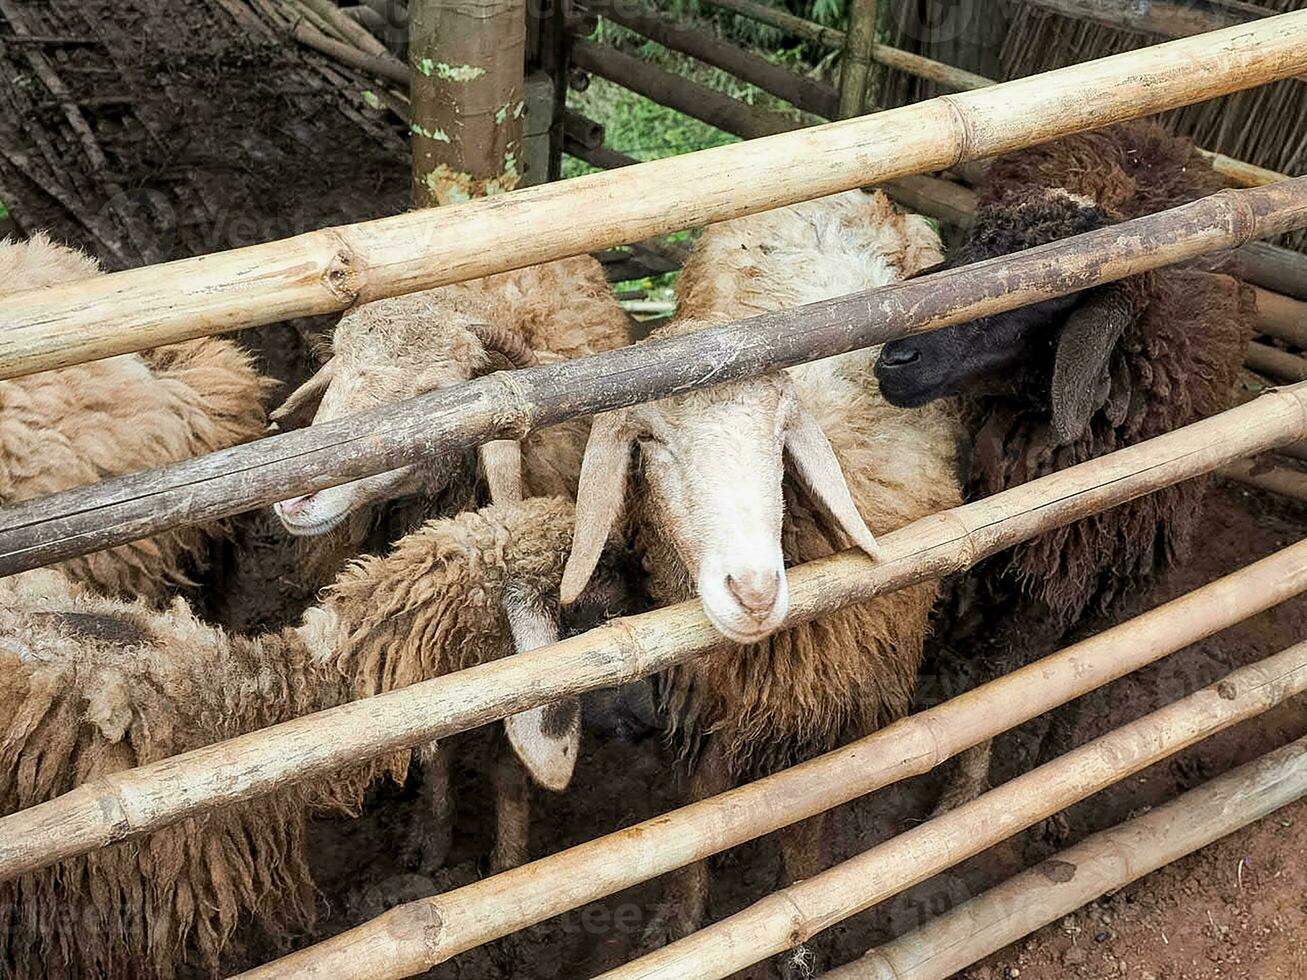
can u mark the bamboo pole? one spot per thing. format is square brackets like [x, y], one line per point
[806, 93]
[388, 67]
[1282, 317]
[1277, 478]
[859, 53]
[500, 406]
[1263, 264]
[350, 29]
[1240, 173]
[792, 915]
[1156, 17]
[1103, 863]
[495, 907]
[334, 268]
[668, 88]
[137, 801]
[1276, 363]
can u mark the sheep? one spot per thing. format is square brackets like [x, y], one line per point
[711, 514]
[76, 425]
[1070, 379]
[90, 686]
[404, 346]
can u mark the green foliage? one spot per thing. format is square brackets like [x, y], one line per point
[4, 211]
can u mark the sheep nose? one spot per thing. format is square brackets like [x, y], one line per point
[294, 505]
[898, 355]
[755, 591]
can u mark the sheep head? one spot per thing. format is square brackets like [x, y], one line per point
[389, 351]
[1056, 350]
[712, 464]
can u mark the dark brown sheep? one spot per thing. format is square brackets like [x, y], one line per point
[1070, 379]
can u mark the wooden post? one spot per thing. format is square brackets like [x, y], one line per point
[467, 60]
[1103, 863]
[493, 908]
[855, 71]
[793, 914]
[140, 800]
[120, 509]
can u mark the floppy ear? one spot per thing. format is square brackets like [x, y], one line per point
[306, 394]
[546, 739]
[814, 462]
[1081, 380]
[599, 498]
[501, 462]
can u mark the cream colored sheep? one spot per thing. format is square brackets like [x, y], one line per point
[77, 425]
[714, 516]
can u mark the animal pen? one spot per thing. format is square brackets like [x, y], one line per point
[475, 222]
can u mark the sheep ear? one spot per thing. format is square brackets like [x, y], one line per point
[501, 462]
[1081, 380]
[814, 462]
[599, 498]
[546, 739]
[309, 392]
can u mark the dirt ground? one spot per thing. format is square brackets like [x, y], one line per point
[241, 144]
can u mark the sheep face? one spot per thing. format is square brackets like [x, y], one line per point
[710, 478]
[1010, 351]
[386, 352]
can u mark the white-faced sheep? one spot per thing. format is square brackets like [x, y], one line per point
[91, 686]
[1070, 379]
[404, 346]
[77, 425]
[713, 515]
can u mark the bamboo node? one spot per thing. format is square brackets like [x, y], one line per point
[515, 419]
[965, 131]
[1243, 219]
[1227, 691]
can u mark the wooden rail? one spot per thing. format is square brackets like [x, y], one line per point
[334, 268]
[121, 509]
[137, 801]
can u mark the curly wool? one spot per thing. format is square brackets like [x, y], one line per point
[1176, 364]
[91, 686]
[81, 424]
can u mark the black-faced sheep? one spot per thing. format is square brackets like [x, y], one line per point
[713, 515]
[404, 346]
[77, 425]
[1070, 379]
[91, 686]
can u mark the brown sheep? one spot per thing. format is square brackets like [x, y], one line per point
[77, 425]
[1071, 379]
[713, 515]
[90, 686]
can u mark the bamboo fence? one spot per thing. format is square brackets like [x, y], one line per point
[792, 915]
[859, 53]
[508, 405]
[490, 909]
[1103, 863]
[334, 268]
[136, 801]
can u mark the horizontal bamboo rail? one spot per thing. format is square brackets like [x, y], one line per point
[111, 512]
[1103, 863]
[1169, 19]
[1240, 173]
[334, 268]
[140, 800]
[390, 945]
[1273, 477]
[799, 911]
[800, 90]
[1282, 317]
[1276, 363]
[1263, 264]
